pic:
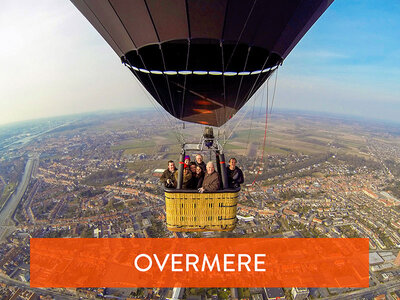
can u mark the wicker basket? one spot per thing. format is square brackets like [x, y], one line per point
[188, 211]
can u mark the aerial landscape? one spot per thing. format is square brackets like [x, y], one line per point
[98, 98]
[97, 175]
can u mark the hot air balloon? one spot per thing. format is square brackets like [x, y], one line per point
[202, 60]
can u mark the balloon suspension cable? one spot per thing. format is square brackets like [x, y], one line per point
[225, 139]
[241, 79]
[163, 114]
[250, 93]
[273, 95]
[185, 79]
[251, 122]
[248, 96]
[223, 77]
[266, 126]
[166, 78]
[270, 111]
[237, 125]
[152, 82]
[261, 109]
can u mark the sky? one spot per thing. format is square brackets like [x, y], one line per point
[53, 62]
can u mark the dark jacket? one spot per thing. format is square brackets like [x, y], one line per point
[202, 166]
[211, 182]
[197, 181]
[168, 175]
[187, 180]
[235, 177]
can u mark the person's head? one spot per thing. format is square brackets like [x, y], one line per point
[199, 170]
[171, 166]
[192, 167]
[199, 158]
[232, 163]
[187, 159]
[210, 167]
[185, 169]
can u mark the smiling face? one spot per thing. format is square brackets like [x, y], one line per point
[193, 168]
[199, 158]
[198, 170]
[232, 163]
[210, 167]
[171, 166]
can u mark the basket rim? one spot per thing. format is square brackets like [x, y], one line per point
[175, 191]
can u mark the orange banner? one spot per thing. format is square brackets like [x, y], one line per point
[218, 262]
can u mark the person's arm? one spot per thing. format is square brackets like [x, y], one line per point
[175, 181]
[200, 182]
[163, 178]
[187, 179]
[241, 177]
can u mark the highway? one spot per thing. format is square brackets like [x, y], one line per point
[6, 222]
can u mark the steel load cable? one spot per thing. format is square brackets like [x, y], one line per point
[266, 123]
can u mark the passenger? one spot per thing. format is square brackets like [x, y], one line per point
[168, 178]
[187, 178]
[197, 179]
[187, 160]
[192, 167]
[211, 182]
[200, 162]
[235, 175]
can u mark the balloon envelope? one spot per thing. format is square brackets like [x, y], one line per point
[202, 60]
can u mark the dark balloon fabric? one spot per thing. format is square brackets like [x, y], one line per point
[202, 60]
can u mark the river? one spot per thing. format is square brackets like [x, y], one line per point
[6, 222]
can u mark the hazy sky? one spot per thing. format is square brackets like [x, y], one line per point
[53, 62]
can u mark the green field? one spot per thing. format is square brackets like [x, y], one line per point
[147, 166]
[230, 146]
[136, 147]
[134, 144]
[286, 134]
[146, 150]
[243, 135]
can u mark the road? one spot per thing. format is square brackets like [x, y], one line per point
[29, 199]
[56, 293]
[6, 222]
[368, 292]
